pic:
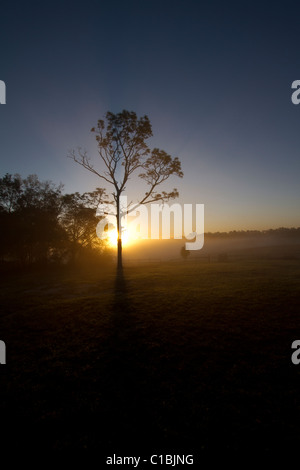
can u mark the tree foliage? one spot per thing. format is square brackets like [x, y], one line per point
[40, 224]
[78, 217]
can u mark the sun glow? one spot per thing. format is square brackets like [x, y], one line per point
[127, 238]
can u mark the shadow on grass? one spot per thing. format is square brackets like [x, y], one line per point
[121, 301]
[122, 308]
[127, 386]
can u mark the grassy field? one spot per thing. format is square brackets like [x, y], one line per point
[177, 357]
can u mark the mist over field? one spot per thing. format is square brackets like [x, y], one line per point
[274, 244]
[184, 356]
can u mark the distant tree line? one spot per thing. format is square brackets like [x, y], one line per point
[41, 225]
[281, 232]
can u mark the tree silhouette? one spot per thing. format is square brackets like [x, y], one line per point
[78, 218]
[29, 217]
[122, 148]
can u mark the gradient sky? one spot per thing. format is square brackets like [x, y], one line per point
[213, 77]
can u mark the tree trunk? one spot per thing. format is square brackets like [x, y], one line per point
[119, 229]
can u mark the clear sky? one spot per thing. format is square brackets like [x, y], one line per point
[213, 77]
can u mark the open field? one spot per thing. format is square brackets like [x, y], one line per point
[190, 356]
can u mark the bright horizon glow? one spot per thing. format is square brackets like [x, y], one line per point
[128, 237]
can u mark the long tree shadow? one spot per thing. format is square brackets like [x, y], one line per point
[122, 308]
[124, 335]
[126, 381]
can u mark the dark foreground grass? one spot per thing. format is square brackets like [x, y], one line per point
[178, 357]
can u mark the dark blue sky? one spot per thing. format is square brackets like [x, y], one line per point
[213, 77]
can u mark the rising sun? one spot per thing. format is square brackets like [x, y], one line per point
[112, 237]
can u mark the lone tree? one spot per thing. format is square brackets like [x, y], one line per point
[121, 141]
